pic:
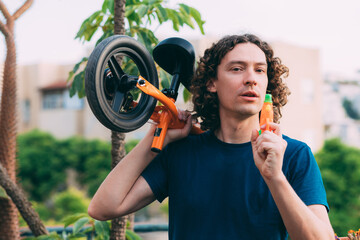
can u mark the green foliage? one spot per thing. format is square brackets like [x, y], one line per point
[69, 202]
[40, 165]
[82, 226]
[350, 109]
[61, 205]
[186, 95]
[90, 158]
[43, 161]
[102, 228]
[130, 235]
[3, 193]
[140, 16]
[44, 212]
[164, 207]
[77, 85]
[340, 169]
[51, 236]
[130, 145]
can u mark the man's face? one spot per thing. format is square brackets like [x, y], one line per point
[241, 81]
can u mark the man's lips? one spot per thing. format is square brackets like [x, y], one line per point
[250, 94]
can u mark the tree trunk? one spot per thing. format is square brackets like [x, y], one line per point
[9, 221]
[9, 224]
[119, 17]
[118, 225]
[118, 228]
[23, 205]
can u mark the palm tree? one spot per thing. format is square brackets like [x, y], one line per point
[9, 224]
[118, 225]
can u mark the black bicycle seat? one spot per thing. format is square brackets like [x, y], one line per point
[176, 56]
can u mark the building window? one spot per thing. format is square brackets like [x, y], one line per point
[72, 102]
[308, 91]
[343, 132]
[60, 99]
[26, 111]
[53, 99]
[335, 87]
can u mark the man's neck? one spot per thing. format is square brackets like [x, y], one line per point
[234, 130]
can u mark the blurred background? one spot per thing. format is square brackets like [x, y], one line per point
[69, 150]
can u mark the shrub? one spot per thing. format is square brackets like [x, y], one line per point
[340, 169]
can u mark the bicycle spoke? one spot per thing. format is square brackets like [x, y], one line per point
[118, 101]
[115, 68]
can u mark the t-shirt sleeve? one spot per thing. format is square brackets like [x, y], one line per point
[305, 178]
[156, 175]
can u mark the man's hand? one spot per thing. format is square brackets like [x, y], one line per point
[268, 151]
[173, 135]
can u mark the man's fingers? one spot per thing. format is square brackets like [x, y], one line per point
[189, 121]
[183, 115]
[274, 127]
[254, 135]
[265, 146]
[187, 127]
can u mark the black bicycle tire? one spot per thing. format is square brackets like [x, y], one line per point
[94, 73]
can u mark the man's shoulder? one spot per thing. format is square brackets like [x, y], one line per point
[294, 145]
[188, 147]
[293, 141]
[192, 142]
[196, 138]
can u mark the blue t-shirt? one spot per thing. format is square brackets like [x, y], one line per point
[216, 192]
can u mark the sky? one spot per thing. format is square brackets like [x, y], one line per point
[46, 32]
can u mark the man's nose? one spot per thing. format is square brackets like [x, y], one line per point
[250, 78]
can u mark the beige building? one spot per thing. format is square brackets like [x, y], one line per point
[302, 115]
[44, 100]
[44, 103]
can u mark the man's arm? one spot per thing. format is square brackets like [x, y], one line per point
[108, 200]
[124, 190]
[301, 221]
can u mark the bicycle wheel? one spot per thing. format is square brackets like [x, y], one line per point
[111, 87]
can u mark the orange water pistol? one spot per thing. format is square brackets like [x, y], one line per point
[267, 113]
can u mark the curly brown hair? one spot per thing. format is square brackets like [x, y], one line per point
[206, 103]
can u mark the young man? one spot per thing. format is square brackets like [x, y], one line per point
[229, 182]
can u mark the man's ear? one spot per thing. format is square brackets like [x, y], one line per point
[211, 86]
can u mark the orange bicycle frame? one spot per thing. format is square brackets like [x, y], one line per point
[166, 116]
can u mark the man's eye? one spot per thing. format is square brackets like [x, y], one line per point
[260, 70]
[236, 69]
